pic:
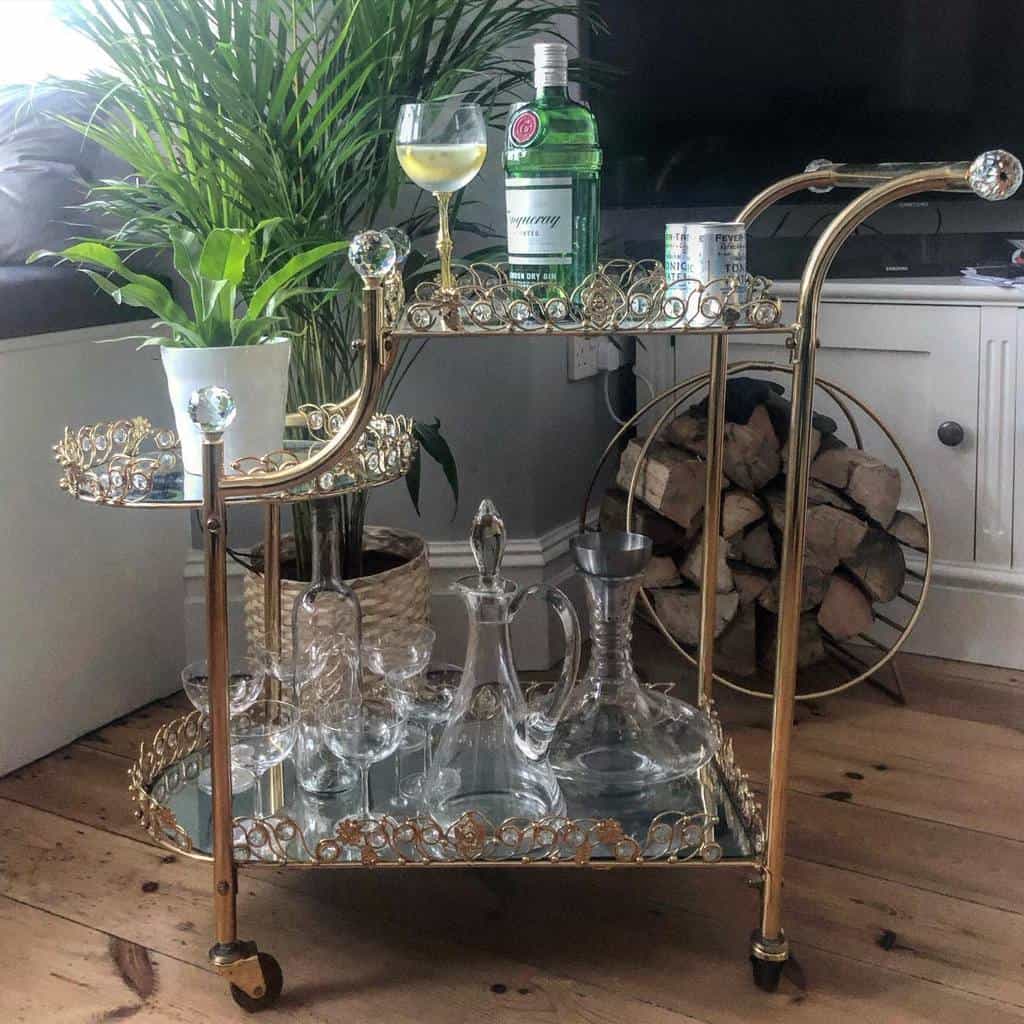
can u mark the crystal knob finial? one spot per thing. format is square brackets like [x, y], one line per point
[822, 163]
[212, 409]
[400, 240]
[372, 254]
[995, 175]
[487, 540]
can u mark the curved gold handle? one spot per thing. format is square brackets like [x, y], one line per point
[993, 175]
[378, 356]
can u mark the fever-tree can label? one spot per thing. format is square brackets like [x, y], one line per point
[710, 253]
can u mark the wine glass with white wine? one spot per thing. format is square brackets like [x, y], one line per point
[441, 145]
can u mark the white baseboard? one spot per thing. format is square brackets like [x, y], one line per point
[536, 635]
[972, 613]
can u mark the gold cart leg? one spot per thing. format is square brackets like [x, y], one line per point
[255, 977]
[712, 516]
[709, 568]
[215, 550]
[769, 948]
[272, 631]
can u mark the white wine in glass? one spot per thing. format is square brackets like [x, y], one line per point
[441, 146]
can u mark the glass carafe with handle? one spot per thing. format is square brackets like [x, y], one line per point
[492, 757]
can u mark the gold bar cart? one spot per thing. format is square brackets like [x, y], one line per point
[126, 463]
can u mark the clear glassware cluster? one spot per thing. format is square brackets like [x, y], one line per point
[340, 704]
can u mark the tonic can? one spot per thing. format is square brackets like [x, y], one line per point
[710, 253]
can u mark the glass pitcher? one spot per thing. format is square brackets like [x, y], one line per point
[492, 757]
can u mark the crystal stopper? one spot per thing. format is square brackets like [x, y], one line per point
[372, 254]
[822, 163]
[400, 240]
[212, 409]
[487, 539]
[995, 175]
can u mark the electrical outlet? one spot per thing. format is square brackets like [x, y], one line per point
[582, 357]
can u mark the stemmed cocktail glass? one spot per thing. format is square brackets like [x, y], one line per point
[364, 729]
[441, 146]
[263, 736]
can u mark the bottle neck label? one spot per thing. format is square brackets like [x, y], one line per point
[545, 77]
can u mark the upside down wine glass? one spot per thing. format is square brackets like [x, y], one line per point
[441, 146]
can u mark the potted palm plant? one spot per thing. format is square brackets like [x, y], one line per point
[233, 112]
[232, 337]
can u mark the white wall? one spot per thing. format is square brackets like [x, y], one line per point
[91, 614]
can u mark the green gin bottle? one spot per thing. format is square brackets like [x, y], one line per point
[552, 180]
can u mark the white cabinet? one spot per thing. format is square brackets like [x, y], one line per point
[922, 353]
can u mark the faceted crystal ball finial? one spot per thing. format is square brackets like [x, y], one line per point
[400, 240]
[995, 175]
[820, 164]
[372, 254]
[212, 409]
[487, 540]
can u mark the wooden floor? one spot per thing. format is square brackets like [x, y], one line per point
[904, 896]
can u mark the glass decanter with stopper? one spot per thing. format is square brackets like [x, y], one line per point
[492, 757]
[619, 739]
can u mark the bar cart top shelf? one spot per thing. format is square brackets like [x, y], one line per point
[622, 296]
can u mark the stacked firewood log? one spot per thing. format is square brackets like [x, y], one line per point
[855, 532]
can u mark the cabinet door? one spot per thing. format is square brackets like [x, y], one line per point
[915, 366]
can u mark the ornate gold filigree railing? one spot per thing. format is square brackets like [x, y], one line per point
[176, 756]
[623, 295]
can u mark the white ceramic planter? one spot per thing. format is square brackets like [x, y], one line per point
[256, 376]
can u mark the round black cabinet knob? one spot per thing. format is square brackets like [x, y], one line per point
[950, 433]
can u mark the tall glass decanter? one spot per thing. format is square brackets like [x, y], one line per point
[619, 738]
[492, 757]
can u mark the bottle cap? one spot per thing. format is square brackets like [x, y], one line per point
[550, 64]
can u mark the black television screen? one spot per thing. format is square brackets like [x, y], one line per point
[715, 99]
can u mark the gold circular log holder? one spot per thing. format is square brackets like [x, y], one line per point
[851, 663]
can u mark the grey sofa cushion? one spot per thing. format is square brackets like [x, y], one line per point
[45, 168]
[40, 300]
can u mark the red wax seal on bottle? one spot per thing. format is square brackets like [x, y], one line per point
[525, 126]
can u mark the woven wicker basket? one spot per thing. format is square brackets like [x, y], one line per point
[399, 596]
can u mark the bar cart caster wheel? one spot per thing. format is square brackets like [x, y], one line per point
[273, 983]
[767, 973]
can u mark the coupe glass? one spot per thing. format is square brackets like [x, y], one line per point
[365, 730]
[441, 146]
[430, 703]
[245, 684]
[401, 655]
[262, 736]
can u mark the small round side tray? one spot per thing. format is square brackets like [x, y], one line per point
[129, 463]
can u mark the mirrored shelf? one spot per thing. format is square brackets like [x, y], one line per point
[707, 819]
